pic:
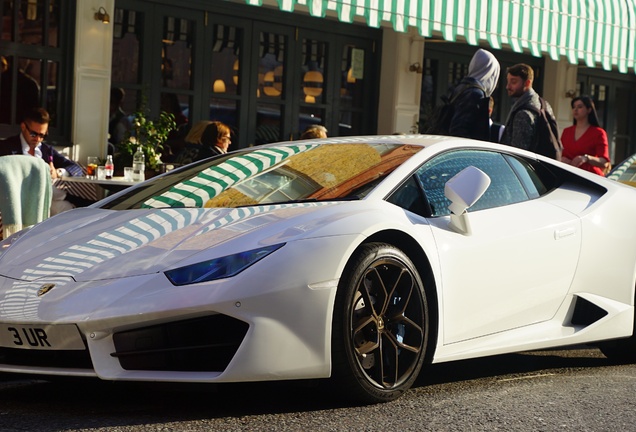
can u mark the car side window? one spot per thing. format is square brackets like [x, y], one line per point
[505, 188]
[409, 196]
[529, 178]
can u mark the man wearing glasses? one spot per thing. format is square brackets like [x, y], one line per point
[34, 129]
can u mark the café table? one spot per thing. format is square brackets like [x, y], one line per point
[103, 186]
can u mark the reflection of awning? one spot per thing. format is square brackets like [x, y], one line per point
[594, 31]
[210, 182]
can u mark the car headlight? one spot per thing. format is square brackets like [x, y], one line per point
[219, 268]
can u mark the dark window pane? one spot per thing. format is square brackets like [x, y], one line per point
[31, 22]
[177, 61]
[52, 89]
[428, 95]
[54, 20]
[352, 78]
[350, 123]
[18, 77]
[32, 15]
[226, 45]
[268, 123]
[126, 46]
[313, 69]
[6, 25]
[310, 116]
[270, 67]
[176, 105]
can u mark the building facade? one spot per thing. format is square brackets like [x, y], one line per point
[269, 69]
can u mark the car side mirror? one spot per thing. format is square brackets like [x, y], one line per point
[463, 190]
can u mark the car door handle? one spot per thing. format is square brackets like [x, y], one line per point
[565, 232]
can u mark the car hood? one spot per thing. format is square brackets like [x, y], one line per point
[92, 244]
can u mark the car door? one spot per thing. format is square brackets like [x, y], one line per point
[517, 265]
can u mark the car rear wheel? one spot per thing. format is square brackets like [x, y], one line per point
[380, 325]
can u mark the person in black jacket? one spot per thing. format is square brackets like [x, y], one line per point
[34, 130]
[472, 95]
[496, 129]
[213, 140]
[30, 141]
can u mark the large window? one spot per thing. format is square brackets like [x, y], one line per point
[266, 78]
[35, 59]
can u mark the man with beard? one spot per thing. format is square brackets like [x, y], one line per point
[521, 124]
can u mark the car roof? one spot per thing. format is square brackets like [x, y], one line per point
[414, 139]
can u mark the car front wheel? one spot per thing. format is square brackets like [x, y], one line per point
[380, 325]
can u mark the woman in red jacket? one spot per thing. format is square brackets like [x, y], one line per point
[585, 143]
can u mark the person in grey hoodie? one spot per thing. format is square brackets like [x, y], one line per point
[471, 97]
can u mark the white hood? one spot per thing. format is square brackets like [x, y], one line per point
[90, 244]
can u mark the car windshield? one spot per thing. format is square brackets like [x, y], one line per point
[271, 175]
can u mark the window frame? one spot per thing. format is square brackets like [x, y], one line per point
[64, 56]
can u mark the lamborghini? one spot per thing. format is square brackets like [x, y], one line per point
[352, 261]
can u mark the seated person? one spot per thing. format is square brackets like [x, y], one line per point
[206, 139]
[118, 122]
[34, 128]
[314, 131]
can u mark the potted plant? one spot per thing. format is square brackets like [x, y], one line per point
[150, 134]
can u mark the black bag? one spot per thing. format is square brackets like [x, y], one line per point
[440, 121]
[495, 131]
[547, 140]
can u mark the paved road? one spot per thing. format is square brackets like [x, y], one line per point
[571, 390]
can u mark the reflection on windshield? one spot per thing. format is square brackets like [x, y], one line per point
[209, 183]
[277, 174]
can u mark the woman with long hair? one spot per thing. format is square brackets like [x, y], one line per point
[585, 142]
[205, 139]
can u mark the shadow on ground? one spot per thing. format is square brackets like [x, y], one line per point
[72, 404]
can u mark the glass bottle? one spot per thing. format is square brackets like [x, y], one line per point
[139, 165]
[109, 167]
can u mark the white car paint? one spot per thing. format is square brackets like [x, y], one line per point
[510, 285]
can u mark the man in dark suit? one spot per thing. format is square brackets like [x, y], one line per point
[34, 129]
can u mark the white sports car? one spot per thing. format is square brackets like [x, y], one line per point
[355, 259]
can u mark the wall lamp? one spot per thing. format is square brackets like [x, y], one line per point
[416, 67]
[570, 94]
[102, 15]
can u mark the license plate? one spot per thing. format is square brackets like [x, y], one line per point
[41, 337]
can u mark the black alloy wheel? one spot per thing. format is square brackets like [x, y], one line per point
[380, 325]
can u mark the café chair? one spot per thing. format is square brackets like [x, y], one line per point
[25, 192]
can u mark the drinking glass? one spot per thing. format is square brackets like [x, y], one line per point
[91, 167]
[128, 173]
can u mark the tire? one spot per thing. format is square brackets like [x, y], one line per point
[381, 327]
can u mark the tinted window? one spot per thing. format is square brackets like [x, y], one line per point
[409, 196]
[505, 187]
[528, 176]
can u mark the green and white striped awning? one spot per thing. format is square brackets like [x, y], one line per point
[210, 182]
[597, 32]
